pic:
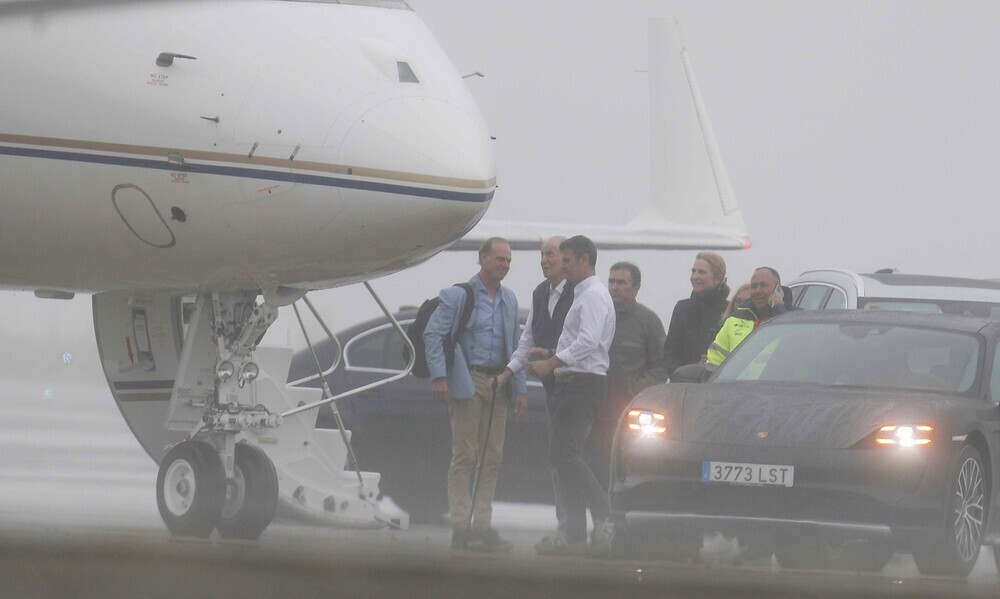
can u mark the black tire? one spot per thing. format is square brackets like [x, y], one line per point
[191, 488]
[251, 495]
[965, 519]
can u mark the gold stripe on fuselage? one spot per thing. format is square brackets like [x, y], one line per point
[300, 165]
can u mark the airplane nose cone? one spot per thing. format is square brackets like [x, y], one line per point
[431, 141]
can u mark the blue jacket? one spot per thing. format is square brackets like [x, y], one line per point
[444, 323]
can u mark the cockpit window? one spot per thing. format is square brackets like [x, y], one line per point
[406, 74]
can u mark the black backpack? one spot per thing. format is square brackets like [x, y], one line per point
[416, 332]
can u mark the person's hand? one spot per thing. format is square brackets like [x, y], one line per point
[504, 377]
[777, 298]
[541, 368]
[539, 353]
[440, 389]
[520, 406]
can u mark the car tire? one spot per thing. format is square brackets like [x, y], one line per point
[965, 516]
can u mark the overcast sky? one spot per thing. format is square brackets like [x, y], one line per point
[857, 135]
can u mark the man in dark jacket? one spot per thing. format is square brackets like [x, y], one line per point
[636, 362]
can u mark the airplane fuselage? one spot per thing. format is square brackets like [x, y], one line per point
[231, 145]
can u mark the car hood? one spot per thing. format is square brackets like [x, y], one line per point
[800, 415]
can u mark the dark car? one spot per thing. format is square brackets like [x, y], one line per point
[836, 436]
[399, 430]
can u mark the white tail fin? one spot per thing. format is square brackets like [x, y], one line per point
[691, 204]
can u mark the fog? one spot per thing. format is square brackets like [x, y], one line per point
[857, 135]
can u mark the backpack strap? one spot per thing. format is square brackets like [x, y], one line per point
[470, 303]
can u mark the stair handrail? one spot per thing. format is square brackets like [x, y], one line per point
[402, 374]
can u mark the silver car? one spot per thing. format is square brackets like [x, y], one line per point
[832, 289]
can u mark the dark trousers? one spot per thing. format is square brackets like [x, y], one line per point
[576, 401]
[549, 383]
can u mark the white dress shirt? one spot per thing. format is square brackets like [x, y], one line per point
[520, 357]
[554, 294]
[588, 330]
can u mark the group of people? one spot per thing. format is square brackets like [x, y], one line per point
[594, 348]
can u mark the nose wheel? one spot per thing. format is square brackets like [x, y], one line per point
[251, 495]
[191, 489]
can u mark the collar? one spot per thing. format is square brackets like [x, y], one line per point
[477, 285]
[628, 308]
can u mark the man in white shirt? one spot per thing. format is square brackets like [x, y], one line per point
[580, 365]
[550, 301]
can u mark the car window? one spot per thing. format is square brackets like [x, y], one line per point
[812, 297]
[884, 356]
[796, 292]
[381, 348]
[960, 307]
[995, 377]
[901, 305]
[837, 300]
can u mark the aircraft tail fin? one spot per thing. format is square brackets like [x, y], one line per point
[691, 203]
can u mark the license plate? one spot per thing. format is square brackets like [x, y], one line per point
[747, 474]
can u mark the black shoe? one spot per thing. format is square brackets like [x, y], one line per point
[489, 540]
[459, 538]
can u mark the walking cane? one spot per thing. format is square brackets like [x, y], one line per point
[479, 466]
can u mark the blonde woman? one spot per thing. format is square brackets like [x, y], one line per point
[695, 320]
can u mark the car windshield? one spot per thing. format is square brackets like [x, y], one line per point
[865, 355]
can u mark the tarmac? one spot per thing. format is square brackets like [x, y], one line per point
[294, 560]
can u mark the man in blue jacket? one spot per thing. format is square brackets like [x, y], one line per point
[483, 349]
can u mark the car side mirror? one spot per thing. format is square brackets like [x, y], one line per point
[691, 373]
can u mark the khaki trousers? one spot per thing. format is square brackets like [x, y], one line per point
[469, 418]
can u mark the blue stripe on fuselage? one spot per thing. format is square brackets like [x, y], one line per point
[250, 173]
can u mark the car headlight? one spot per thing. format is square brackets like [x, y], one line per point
[904, 435]
[646, 423]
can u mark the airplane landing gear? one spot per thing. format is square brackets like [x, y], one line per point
[191, 489]
[233, 438]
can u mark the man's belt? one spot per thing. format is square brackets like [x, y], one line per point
[566, 377]
[488, 370]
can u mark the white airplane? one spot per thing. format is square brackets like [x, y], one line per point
[195, 167]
